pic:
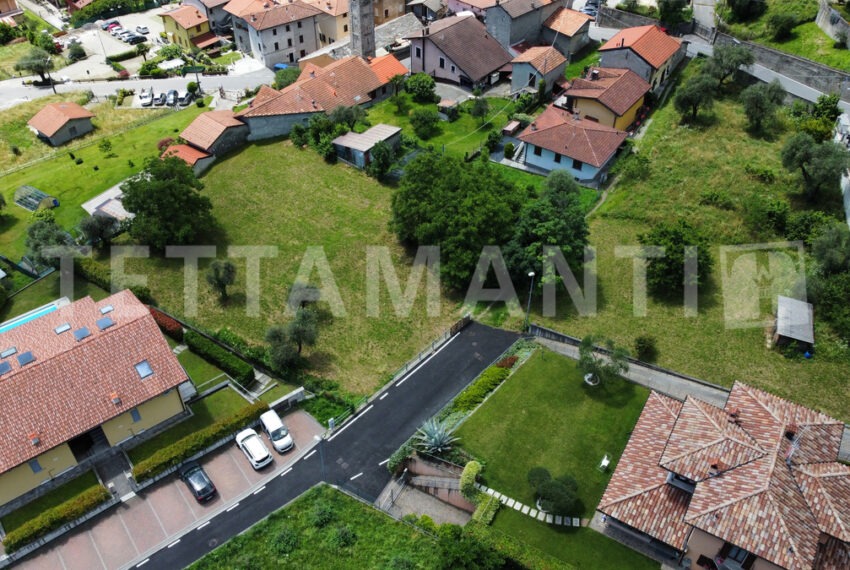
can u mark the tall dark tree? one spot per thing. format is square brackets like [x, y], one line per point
[670, 11]
[347, 116]
[46, 242]
[726, 61]
[599, 367]
[696, 93]
[831, 249]
[221, 275]
[37, 61]
[397, 81]
[168, 206]
[98, 229]
[283, 353]
[480, 108]
[304, 328]
[821, 165]
[382, 156]
[761, 101]
[666, 275]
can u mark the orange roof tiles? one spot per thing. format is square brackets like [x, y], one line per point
[264, 15]
[587, 141]
[650, 42]
[188, 154]
[542, 58]
[53, 117]
[186, 17]
[67, 390]
[386, 67]
[208, 127]
[332, 7]
[617, 89]
[567, 22]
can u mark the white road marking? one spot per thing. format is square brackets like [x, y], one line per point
[142, 563]
[203, 525]
[232, 507]
[309, 455]
[260, 490]
[356, 476]
[346, 426]
[385, 461]
[384, 396]
[174, 543]
[285, 472]
[421, 364]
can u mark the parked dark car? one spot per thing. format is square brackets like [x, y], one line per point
[198, 481]
[159, 100]
[135, 39]
[171, 98]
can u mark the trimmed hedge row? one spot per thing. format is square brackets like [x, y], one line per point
[238, 369]
[167, 325]
[123, 56]
[188, 446]
[467, 480]
[101, 275]
[54, 518]
[488, 506]
[514, 550]
[475, 393]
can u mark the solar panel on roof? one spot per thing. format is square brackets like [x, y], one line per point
[8, 352]
[106, 309]
[105, 323]
[82, 333]
[62, 328]
[25, 358]
[5, 367]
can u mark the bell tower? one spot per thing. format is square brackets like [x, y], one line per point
[362, 14]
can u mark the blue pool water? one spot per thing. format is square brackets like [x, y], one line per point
[27, 317]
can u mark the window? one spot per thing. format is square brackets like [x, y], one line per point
[303, 53]
[538, 151]
[300, 39]
[35, 465]
[322, 37]
[299, 25]
[577, 164]
[453, 68]
[25, 358]
[442, 63]
[739, 555]
[557, 158]
[104, 323]
[384, 90]
[345, 28]
[62, 328]
[274, 31]
[418, 52]
[591, 118]
[8, 352]
[276, 47]
[144, 369]
[386, 13]
[198, 28]
[291, 58]
[287, 27]
[288, 42]
[345, 15]
[106, 309]
[134, 413]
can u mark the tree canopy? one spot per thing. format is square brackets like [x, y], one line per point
[37, 61]
[221, 275]
[422, 87]
[46, 242]
[761, 101]
[667, 274]
[820, 164]
[696, 93]
[726, 61]
[168, 206]
[602, 368]
[98, 229]
[671, 11]
[285, 77]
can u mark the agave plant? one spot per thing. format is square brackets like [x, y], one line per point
[435, 437]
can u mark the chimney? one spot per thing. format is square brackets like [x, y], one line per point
[790, 431]
[622, 42]
[533, 126]
[115, 398]
[594, 75]
[253, 17]
[425, 31]
[34, 439]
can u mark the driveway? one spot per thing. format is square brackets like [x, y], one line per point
[167, 509]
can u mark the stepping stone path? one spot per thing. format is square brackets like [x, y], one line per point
[534, 513]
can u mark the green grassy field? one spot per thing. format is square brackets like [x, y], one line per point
[379, 541]
[809, 41]
[545, 416]
[587, 57]
[49, 500]
[44, 292]
[199, 370]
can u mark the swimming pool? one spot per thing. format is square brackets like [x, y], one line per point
[27, 317]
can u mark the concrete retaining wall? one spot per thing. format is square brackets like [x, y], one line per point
[832, 22]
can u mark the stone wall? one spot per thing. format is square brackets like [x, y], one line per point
[831, 22]
[807, 72]
[613, 18]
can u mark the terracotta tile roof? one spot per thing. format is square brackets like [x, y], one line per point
[638, 493]
[517, 8]
[567, 22]
[617, 89]
[703, 436]
[242, 8]
[649, 42]
[267, 15]
[205, 40]
[480, 4]
[53, 117]
[580, 139]
[345, 82]
[67, 390]
[332, 7]
[542, 58]
[835, 555]
[386, 67]
[189, 154]
[187, 17]
[208, 127]
[466, 42]
[826, 487]
[213, 3]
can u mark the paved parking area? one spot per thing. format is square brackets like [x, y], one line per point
[163, 512]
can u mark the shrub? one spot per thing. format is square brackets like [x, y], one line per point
[645, 348]
[422, 87]
[488, 506]
[400, 454]
[509, 150]
[763, 214]
[634, 166]
[493, 140]
[298, 136]
[164, 143]
[78, 161]
[507, 362]
[518, 553]
[761, 173]
[427, 524]
[286, 541]
[424, 123]
[468, 478]
[781, 25]
[199, 103]
[182, 449]
[558, 496]
[54, 518]
[93, 272]
[524, 120]
[342, 537]
[478, 390]
[167, 325]
[123, 56]
[123, 73]
[238, 369]
[716, 198]
[321, 514]
[806, 226]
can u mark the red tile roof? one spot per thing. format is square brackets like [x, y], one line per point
[186, 16]
[68, 389]
[542, 58]
[264, 15]
[205, 40]
[208, 127]
[580, 139]
[774, 503]
[386, 67]
[650, 42]
[617, 89]
[54, 116]
[567, 22]
[188, 154]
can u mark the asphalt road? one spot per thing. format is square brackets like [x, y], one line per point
[354, 456]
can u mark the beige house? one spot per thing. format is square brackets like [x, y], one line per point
[610, 97]
[646, 50]
[188, 27]
[753, 485]
[75, 381]
[58, 123]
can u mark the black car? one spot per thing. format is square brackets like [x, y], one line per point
[198, 481]
[135, 39]
[171, 98]
[159, 100]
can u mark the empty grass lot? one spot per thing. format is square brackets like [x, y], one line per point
[54, 498]
[44, 292]
[271, 194]
[378, 539]
[809, 41]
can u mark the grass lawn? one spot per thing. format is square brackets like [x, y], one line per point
[54, 498]
[464, 135]
[199, 370]
[378, 539]
[585, 58]
[545, 416]
[271, 194]
[207, 411]
[582, 547]
[44, 292]
[809, 41]
[280, 390]
[73, 184]
[227, 58]
[757, 29]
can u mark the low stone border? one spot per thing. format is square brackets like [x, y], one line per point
[533, 512]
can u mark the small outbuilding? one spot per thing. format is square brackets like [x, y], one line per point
[199, 160]
[794, 323]
[356, 148]
[57, 123]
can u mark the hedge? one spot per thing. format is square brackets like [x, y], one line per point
[478, 390]
[123, 56]
[167, 325]
[54, 518]
[101, 275]
[488, 506]
[514, 550]
[238, 369]
[193, 443]
[467, 480]
[397, 458]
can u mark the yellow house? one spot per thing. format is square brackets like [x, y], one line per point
[188, 27]
[75, 380]
[610, 97]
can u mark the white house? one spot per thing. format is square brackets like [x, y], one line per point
[274, 31]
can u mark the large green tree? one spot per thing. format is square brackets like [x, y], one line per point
[666, 275]
[221, 275]
[725, 62]
[671, 11]
[696, 93]
[46, 242]
[98, 229]
[761, 101]
[831, 249]
[601, 367]
[37, 61]
[285, 77]
[821, 165]
[422, 87]
[303, 329]
[168, 206]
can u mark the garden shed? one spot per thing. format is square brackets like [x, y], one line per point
[31, 198]
[356, 148]
[794, 323]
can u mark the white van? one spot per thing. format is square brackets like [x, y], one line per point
[276, 430]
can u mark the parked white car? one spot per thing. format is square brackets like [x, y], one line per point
[253, 448]
[146, 97]
[277, 431]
